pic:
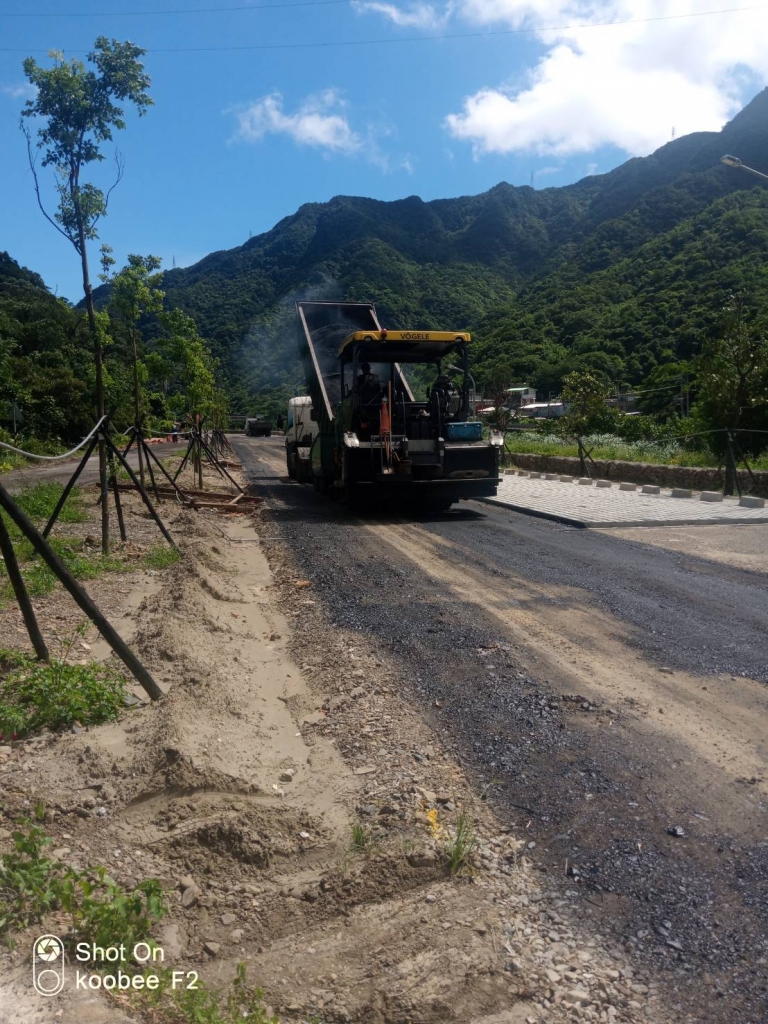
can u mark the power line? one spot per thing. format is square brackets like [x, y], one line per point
[184, 10]
[411, 39]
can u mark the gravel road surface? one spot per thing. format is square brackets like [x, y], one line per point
[609, 695]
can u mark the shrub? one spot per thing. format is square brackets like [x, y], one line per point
[34, 695]
[27, 882]
[32, 884]
[202, 1005]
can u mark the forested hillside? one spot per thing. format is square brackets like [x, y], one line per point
[645, 311]
[625, 272]
[45, 362]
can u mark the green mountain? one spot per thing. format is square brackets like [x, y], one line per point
[44, 360]
[625, 271]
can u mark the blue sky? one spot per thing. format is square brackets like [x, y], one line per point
[242, 134]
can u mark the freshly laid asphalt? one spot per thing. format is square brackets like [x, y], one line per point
[695, 910]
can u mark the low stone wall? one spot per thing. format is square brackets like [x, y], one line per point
[642, 473]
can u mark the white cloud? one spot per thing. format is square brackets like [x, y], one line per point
[626, 85]
[319, 122]
[24, 91]
[418, 15]
[591, 169]
[548, 170]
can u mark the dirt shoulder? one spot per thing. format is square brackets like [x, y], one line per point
[239, 791]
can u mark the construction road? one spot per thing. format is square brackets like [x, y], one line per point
[41, 471]
[606, 690]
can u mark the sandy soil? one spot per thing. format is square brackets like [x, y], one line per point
[239, 789]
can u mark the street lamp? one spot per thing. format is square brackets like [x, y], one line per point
[458, 369]
[733, 161]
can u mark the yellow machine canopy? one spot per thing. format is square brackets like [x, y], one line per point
[402, 346]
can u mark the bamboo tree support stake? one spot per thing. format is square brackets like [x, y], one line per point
[166, 474]
[732, 470]
[129, 446]
[219, 467]
[83, 601]
[142, 492]
[20, 590]
[116, 492]
[144, 447]
[70, 484]
[184, 460]
[744, 460]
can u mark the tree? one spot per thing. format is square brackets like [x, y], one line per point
[585, 394]
[135, 292]
[188, 353]
[733, 377]
[495, 377]
[77, 107]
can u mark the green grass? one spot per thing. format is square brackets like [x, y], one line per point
[103, 913]
[41, 580]
[610, 448]
[39, 502]
[461, 845]
[10, 460]
[161, 556]
[34, 695]
[360, 840]
[202, 1005]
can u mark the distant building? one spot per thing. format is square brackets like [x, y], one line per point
[626, 403]
[543, 410]
[520, 396]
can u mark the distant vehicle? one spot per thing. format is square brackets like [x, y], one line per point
[300, 432]
[258, 426]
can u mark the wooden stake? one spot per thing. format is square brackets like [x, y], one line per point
[20, 590]
[217, 465]
[145, 447]
[142, 492]
[116, 492]
[184, 460]
[164, 471]
[49, 556]
[70, 484]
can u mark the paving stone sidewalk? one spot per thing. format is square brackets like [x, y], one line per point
[589, 505]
